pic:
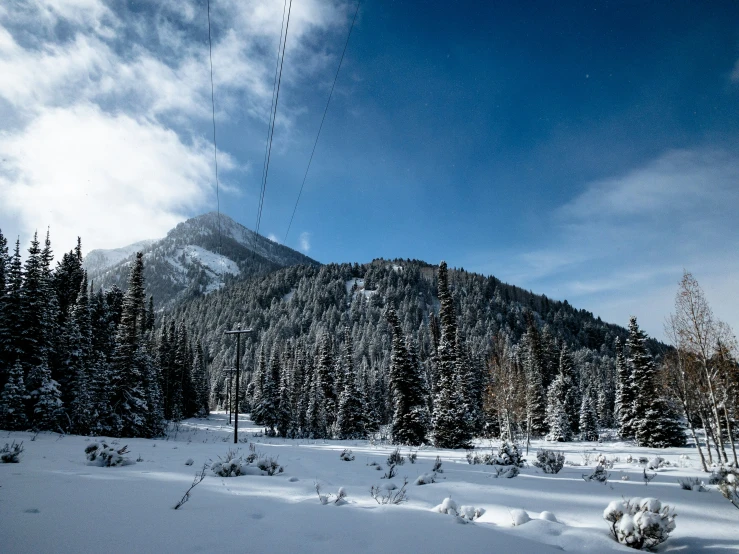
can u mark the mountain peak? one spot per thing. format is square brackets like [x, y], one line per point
[197, 256]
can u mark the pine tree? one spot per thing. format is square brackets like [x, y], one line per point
[128, 397]
[571, 399]
[317, 426]
[15, 323]
[259, 379]
[269, 405]
[79, 356]
[557, 419]
[12, 401]
[588, 419]
[624, 395]
[532, 363]
[5, 360]
[410, 415]
[655, 423]
[325, 376]
[449, 422]
[350, 419]
[643, 376]
[284, 415]
[200, 383]
[48, 409]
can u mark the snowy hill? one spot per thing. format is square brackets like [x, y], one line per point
[100, 260]
[191, 260]
[54, 501]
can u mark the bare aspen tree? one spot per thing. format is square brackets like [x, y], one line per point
[696, 333]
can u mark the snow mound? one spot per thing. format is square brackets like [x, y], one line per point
[519, 517]
[549, 516]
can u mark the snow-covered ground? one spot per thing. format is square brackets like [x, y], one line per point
[52, 501]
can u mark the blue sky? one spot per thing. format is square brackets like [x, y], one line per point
[585, 150]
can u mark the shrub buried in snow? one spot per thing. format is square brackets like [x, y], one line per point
[640, 522]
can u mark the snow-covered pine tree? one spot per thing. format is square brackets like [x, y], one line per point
[667, 431]
[269, 403]
[12, 401]
[655, 423]
[14, 322]
[557, 419]
[5, 361]
[572, 396]
[350, 419]
[284, 416]
[624, 394]
[325, 374]
[450, 429]
[128, 396]
[588, 418]
[79, 355]
[410, 417]
[533, 367]
[200, 382]
[316, 416]
[48, 409]
[260, 376]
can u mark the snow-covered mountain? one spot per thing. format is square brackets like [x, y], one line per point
[100, 260]
[192, 260]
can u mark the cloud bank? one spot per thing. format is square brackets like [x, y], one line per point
[106, 112]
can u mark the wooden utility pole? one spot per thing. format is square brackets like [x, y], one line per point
[230, 371]
[238, 332]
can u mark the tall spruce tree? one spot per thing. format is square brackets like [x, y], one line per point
[350, 418]
[449, 418]
[13, 400]
[128, 396]
[79, 357]
[410, 414]
[5, 361]
[588, 418]
[655, 422]
[533, 367]
[624, 394]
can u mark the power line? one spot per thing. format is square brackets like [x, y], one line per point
[322, 120]
[272, 129]
[215, 147]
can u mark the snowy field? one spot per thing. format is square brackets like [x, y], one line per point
[53, 501]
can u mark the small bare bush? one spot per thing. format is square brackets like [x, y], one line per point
[339, 498]
[599, 474]
[195, 482]
[269, 465]
[729, 487]
[692, 484]
[11, 453]
[437, 466]
[549, 461]
[231, 465]
[346, 455]
[395, 458]
[106, 456]
[395, 496]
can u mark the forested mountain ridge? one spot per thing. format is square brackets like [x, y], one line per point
[337, 350]
[196, 257]
[314, 312]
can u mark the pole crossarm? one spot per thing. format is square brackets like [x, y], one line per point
[238, 332]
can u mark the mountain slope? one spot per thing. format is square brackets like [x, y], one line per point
[192, 260]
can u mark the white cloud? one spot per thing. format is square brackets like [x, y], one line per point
[304, 241]
[110, 179]
[620, 246]
[102, 106]
[273, 238]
